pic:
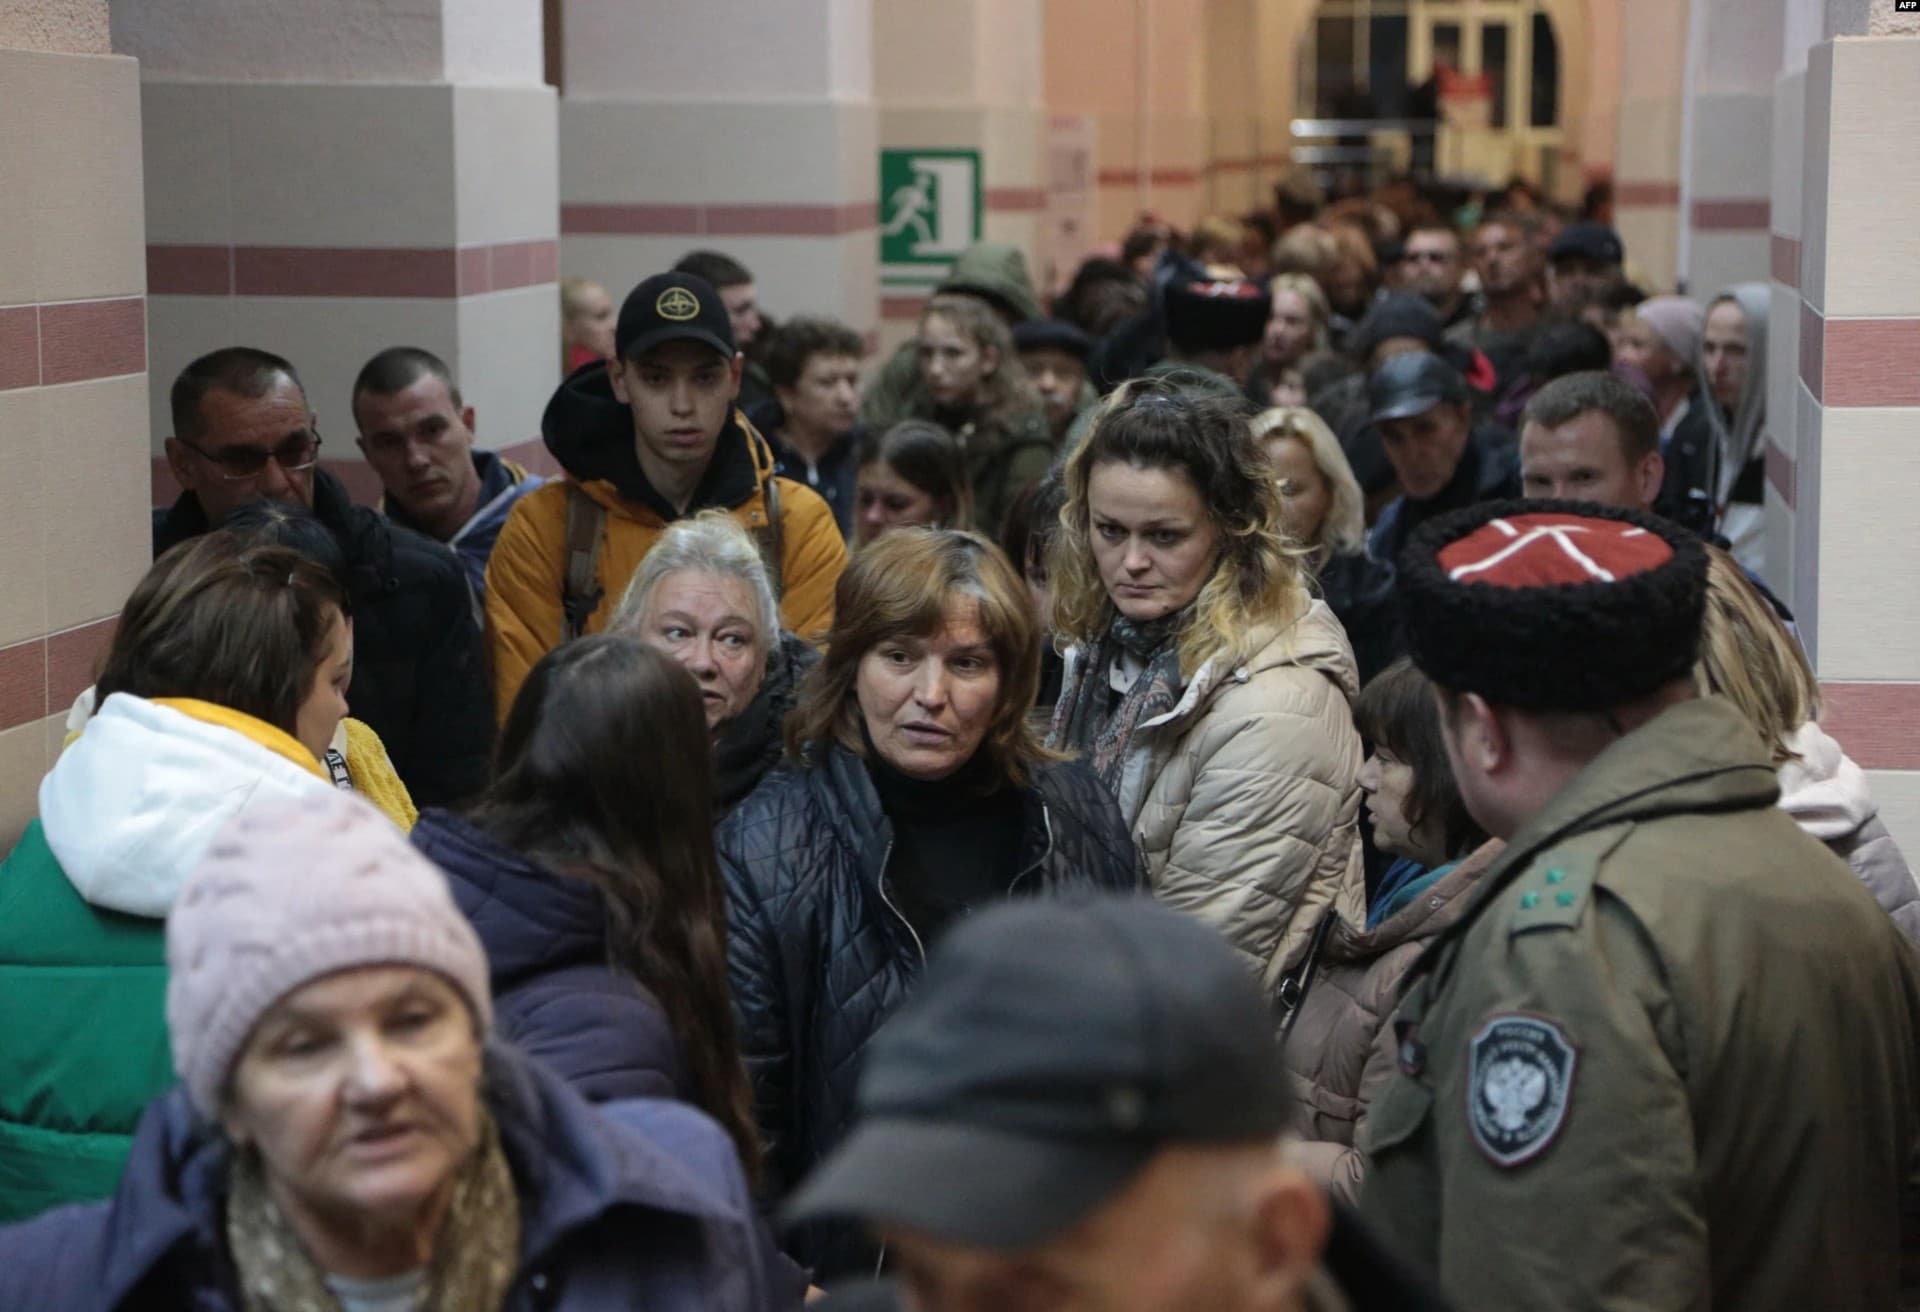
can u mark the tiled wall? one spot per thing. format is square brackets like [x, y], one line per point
[326, 222]
[74, 533]
[1855, 464]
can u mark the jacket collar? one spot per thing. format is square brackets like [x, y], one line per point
[1700, 756]
[1437, 908]
[369, 553]
[497, 477]
[1314, 641]
[529, 918]
[571, 1165]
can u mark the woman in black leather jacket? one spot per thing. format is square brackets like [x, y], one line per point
[915, 793]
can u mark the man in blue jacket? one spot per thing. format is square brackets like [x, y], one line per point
[417, 433]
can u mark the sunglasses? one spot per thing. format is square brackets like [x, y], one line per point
[239, 463]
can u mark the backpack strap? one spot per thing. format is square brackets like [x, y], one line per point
[771, 536]
[586, 525]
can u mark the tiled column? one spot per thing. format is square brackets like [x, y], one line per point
[1851, 475]
[965, 74]
[1137, 69]
[1735, 58]
[74, 533]
[736, 125]
[1232, 87]
[1647, 150]
[322, 185]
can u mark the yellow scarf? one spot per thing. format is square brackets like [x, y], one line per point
[277, 741]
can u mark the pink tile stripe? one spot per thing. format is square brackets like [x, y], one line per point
[1785, 252]
[614, 220]
[1877, 723]
[1646, 195]
[42, 676]
[1161, 177]
[72, 341]
[431, 273]
[901, 307]
[1015, 199]
[1860, 362]
[1745, 214]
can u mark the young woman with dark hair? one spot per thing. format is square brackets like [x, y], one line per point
[588, 869]
[222, 687]
[1341, 1049]
[1209, 690]
[914, 475]
[915, 792]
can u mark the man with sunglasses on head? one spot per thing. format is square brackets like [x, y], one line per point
[242, 432]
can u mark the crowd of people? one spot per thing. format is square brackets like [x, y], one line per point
[1266, 777]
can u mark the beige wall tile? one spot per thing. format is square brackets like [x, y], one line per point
[23, 583]
[181, 329]
[56, 730]
[87, 209]
[1872, 243]
[1789, 152]
[1898, 793]
[1816, 178]
[188, 142]
[1783, 366]
[1869, 598]
[1733, 146]
[343, 165]
[1652, 239]
[656, 153]
[97, 480]
[18, 185]
[506, 164]
[23, 760]
[1720, 259]
[1649, 149]
[509, 360]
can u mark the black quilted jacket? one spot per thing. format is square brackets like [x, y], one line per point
[820, 958]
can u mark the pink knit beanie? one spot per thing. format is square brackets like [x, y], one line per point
[1677, 321]
[290, 891]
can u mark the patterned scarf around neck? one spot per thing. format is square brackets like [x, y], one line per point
[473, 1264]
[1103, 736]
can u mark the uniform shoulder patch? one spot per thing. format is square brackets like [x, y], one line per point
[1554, 891]
[1520, 1072]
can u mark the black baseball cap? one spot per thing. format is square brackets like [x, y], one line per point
[1052, 335]
[1051, 1050]
[1587, 240]
[1412, 383]
[672, 307]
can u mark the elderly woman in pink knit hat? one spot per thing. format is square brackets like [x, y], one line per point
[346, 1139]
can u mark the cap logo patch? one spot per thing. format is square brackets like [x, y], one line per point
[677, 304]
[1519, 1082]
[1535, 551]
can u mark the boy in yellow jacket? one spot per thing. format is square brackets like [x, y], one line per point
[648, 437]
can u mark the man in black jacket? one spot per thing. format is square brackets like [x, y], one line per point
[1083, 1106]
[242, 430]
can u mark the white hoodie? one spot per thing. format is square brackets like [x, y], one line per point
[132, 805]
[1826, 794]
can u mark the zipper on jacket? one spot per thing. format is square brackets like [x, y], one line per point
[913, 933]
[1046, 818]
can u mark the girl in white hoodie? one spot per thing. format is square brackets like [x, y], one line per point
[224, 684]
[1747, 657]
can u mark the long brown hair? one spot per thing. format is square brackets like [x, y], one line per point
[900, 587]
[216, 619]
[1005, 395]
[603, 776]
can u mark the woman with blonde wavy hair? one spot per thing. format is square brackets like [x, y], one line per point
[1748, 657]
[1323, 508]
[1207, 688]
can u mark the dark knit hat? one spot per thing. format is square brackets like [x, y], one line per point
[1399, 315]
[1587, 240]
[1052, 335]
[1553, 605]
[1216, 316]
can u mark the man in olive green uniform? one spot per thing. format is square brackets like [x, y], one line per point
[1668, 1057]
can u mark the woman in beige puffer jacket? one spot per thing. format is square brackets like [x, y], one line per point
[1206, 687]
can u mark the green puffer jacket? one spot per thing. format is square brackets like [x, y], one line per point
[125, 814]
[83, 1005]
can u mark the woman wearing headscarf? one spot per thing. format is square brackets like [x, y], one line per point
[1733, 372]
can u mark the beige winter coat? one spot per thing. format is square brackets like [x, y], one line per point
[1244, 798]
[1342, 1050]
